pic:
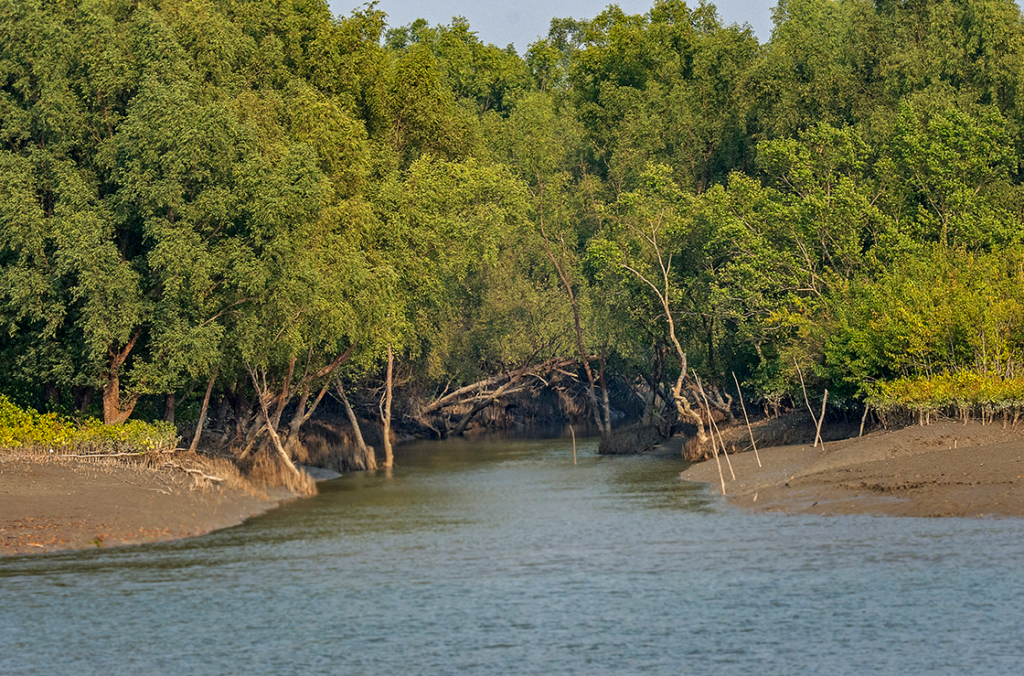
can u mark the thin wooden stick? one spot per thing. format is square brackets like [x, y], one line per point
[721, 441]
[806, 400]
[721, 476]
[864, 419]
[821, 419]
[724, 451]
[573, 433]
[749, 429]
[714, 447]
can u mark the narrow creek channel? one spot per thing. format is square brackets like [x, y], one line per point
[502, 557]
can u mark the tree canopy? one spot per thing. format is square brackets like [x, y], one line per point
[262, 196]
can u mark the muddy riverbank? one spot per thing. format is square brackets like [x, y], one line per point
[51, 505]
[943, 469]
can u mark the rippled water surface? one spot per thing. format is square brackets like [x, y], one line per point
[504, 558]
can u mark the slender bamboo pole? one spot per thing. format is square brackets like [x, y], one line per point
[721, 476]
[863, 419]
[724, 451]
[806, 400]
[714, 451]
[714, 429]
[749, 429]
[821, 419]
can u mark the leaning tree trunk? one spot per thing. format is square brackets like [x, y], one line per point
[483, 403]
[683, 406]
[261, 394]
[369, 460]
[202, 412]
[578, 326]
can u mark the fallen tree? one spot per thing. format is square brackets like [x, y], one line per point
[438, 417]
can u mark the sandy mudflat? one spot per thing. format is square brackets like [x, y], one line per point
[943, 469]
[49, 506]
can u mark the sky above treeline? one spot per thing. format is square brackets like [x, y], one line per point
[521, 22]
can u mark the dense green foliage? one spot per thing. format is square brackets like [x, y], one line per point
[262, 196]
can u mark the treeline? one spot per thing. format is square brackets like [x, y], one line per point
[254, 203]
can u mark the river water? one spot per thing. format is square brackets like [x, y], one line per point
[502, 557]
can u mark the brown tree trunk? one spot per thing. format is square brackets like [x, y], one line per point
[654, 382]
[202, 413]
[486, 401]
[604, 394]
[368, 458]
[385, 415]
[240, 409]
[285, 396]
[591, 381]
[169, 406]
[303, 414]
[113, 414]
[295, 424]
[112, 400]
[261, 394]
[687, 413]
[113, 411]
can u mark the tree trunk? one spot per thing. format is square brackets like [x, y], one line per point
[113, 414]
[683, 407]
[686, 412]
[241, 410]
[368, 457]
[604, 394]
[591, 383]
[385, 415]
[202, 413]
[285, 396]
[460, 428]
[112, 400]
[261, 394]
[302, 413]
[654, 382]
[291, 442]
[169, 405]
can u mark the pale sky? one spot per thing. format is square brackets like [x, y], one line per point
[503, 22]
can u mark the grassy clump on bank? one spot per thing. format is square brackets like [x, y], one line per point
[27, 430]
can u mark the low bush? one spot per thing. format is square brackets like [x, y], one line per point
[27, 430]
[962, 393]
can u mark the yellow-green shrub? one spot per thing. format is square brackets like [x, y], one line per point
[963, 390]
[29, 430]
